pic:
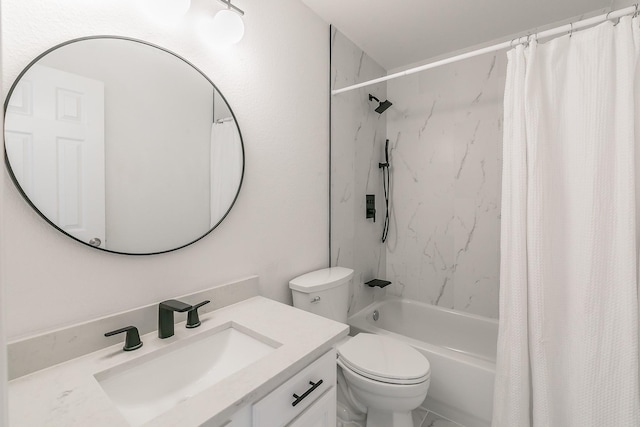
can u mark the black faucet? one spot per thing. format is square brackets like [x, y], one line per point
[165, 316]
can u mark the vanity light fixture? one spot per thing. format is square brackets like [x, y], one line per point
[228, 27]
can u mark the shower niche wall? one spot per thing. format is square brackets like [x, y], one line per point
[445, 132]
[357, 140]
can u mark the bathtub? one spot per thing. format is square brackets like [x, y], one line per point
[461, 349]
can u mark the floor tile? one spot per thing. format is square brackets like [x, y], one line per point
[432, 420]
[418, 416]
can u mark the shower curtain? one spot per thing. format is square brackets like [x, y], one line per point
[226, 167]
[568, 335]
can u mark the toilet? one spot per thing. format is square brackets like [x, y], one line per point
[384, 377]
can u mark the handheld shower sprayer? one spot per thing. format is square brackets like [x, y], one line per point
[386, 182]
[386, 156]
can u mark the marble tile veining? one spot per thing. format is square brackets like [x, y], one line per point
[432, 420]
[358, 135]
[419, 415]
[444, 240]
[445, 132]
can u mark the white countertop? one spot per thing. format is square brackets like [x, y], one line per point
[69, 395]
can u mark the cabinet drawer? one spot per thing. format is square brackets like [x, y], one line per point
[321, 414]
[277, 408]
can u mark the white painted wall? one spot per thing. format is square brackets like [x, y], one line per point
[276, 80]
[4, 418]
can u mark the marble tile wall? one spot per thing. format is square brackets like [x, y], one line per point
[357, 146]
[445, 131]
[446, 134]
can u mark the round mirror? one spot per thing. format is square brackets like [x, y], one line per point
[122, 145]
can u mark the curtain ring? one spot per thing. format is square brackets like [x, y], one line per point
[511, 43]
[571, 30]
[606, 18]
[635, 14]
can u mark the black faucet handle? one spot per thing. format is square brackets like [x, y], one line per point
[131, 341]
[193, 320]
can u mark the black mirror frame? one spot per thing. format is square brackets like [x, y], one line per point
[26, 198]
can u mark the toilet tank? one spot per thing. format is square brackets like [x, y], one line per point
[323, 292]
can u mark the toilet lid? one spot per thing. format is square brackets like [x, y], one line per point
[384, 359]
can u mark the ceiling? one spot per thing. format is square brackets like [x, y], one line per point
[396, 33]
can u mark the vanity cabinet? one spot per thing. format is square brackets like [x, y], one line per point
[314, 388]
[242, 418]
[293, 384]
[321, 414]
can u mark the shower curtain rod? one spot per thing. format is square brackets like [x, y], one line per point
[568, 28]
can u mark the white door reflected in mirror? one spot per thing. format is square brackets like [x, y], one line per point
[55, 140]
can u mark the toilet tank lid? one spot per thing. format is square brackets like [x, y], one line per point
[321, 280]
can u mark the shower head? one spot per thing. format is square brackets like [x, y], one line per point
[382, 105]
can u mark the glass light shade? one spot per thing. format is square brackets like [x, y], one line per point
[166, 10]
[228, 27]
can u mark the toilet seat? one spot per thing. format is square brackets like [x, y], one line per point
[384, 359]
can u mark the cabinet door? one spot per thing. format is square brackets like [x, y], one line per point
[321, 414]
[242, 418]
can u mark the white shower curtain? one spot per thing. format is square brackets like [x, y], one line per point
[226, 167]
[568, 336]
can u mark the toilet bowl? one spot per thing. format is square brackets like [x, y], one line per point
[385, 378]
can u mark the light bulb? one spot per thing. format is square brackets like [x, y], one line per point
[227, 28]
[166, 11]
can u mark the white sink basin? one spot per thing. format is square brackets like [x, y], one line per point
[152, 384]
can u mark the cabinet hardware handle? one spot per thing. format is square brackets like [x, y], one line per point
[306, 393]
